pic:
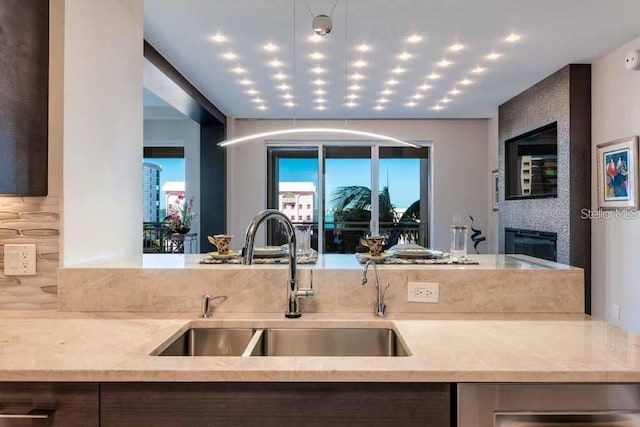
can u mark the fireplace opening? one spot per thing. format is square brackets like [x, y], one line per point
[539, 244]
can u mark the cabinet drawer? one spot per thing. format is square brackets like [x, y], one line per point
[49, 405]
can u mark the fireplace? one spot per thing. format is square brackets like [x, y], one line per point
[539, 244]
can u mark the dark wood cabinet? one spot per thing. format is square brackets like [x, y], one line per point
[24, 85]
[49, 405]
[275, 404]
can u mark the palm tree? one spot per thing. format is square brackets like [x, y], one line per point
[353, 203]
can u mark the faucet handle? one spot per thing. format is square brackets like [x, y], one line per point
[206, 303]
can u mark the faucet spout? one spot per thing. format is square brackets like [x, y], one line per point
[249, 241]
[380, 306]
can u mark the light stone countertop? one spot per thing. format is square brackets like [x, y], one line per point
[325, 262]
[52, 346]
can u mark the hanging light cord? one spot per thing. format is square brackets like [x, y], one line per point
[330, 15]
[346, 62]
[295, 100]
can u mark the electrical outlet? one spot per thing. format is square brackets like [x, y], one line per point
[423, 292]
[19, 260]
[615, 311]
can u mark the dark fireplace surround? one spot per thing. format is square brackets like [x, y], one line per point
[539, 244]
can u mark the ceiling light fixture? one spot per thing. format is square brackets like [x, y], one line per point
[355, 87]
[424, 86]
[351, 104]
[466, 82]
[316, 56]
[411, 104]
[283, 86]
[318, 70]
[353, 96]
[252, 92]
[387, 92]
[261, 107]
[445, 100]
[320, 100]
[287, 96]
[437, 107]
[229, 55]
[398, 70]
[444, 63]
[314, 38]
[417, 96]
[512, 38]
[276, 63]
[378, 107]
[360, 64]
[478, 70]
[263, 135]
[456, 47]
[405, 56]
[239, 70]
[392, 82]
[455, 92]
[414, 38]
[382, 101]
[280, 76]
[270, 47]
[319, 82]
[434, 76]
[218, 38]
[493, 56]
[319, 91]
[321, 108]
[245, 82]
[363, 47]
[258, 100]
[290, 104]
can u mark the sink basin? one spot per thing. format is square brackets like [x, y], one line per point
[344, 342]
[209, 342]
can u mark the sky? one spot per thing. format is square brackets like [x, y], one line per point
[172, 170]
[403, 175]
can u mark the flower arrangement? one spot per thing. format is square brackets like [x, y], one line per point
[181, 216]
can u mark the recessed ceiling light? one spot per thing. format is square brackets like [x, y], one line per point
[353, 96]
[283, 86]
[319, 82]
[392, 82]
[382, 101]
[315, 38]
[355, 87]
[316, 56]
[258, 100]
[318, 70]
[414, 38]
[417, 96]
[466, 82]
[229, 55]
[493, 56]
[411, 104]
[398, 70]
[456, 47]
[455, 92]
[280, 76]
[378, 107]
[319, 91]
[239, 70]
[444, 63]
[252, 92]
[275, 63]
[321, 108]
[360, 63]
[287, 96]
[424, 86]
[387, 92]
[434, 76]
[320, 100]
[218, 38]
[445, 100]
[351, 104]
[270, 47]
[357, 76]
[261, 107]
[363, 47]
[437, 107]
[478, 70]
[245, 82]
[290, 104]
[404, 56]
[513, 37]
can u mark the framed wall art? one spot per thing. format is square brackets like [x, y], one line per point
[617, 173]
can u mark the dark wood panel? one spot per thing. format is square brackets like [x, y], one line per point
[70, 405]
[275, 404]
[213, 184]
[24, 82]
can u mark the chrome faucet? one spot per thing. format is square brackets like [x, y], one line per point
[380, 307]
[206, 304]
[293, 310]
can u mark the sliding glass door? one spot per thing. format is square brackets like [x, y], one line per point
[330, 187]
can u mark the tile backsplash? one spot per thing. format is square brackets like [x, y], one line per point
[31, 220]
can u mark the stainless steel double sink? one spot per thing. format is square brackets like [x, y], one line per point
[246, 342]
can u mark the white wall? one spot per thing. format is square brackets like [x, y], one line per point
[459, 168]
[180, 133]
[102, 129]
[615, 243]
[492, 153]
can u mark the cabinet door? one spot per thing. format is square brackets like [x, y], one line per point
[49, 404]
[274, 404]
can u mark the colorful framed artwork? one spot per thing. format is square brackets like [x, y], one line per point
[617, 170]
[495, 189]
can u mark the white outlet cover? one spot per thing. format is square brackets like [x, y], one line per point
[20, 260]
[427, 292]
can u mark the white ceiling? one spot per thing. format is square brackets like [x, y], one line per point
[553, 34]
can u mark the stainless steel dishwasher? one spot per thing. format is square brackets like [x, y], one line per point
[547, 405]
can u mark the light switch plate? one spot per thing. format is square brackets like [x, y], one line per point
[20, 260]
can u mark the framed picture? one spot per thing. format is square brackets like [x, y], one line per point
[495, 188]
[617, 170]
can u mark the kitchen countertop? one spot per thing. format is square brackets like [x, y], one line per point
[52, 346]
